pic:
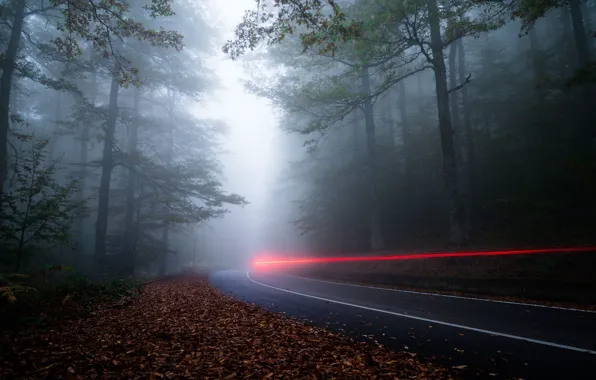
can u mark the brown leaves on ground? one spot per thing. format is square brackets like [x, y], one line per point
[184, 328]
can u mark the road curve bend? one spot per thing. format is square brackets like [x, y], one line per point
[492, 339]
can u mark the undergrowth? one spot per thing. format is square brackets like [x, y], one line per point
[35, 299]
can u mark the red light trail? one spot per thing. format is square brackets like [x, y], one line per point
[414, 256]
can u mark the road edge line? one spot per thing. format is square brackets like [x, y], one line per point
[488, 332]
[442, 295]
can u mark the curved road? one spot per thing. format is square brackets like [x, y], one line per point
[489, 339]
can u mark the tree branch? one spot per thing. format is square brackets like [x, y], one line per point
[37, 11]
[468, 80]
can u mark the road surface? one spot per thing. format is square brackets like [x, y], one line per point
[489, 339]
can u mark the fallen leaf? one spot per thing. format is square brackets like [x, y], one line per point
[185, 328]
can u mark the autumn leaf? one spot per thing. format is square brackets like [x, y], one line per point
[184, 328]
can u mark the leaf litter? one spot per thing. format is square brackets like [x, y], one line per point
[184, 328]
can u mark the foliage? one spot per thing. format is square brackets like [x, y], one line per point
[529, 11]
[106, 23]
[516, 152]
[36, 211]
[11, 284]
[325, 22]
[76, 48]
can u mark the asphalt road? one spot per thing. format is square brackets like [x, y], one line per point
[485, 339]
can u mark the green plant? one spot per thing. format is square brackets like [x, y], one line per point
[10, 286]
[36, 212]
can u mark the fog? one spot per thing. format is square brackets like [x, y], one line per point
[138, 140]
[250, 151]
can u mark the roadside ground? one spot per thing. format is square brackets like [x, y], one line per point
[184, 328]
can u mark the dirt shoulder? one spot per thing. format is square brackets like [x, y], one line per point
[184, 328]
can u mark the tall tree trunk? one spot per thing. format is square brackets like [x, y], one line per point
[101, 227]
[129, 227]
[470, 148]
[163, 259]
[453, 106]
[458, 135]
[388, 124]
[376, 236]
[8, 68]
[354, 237]
[541, 145]
[355, 136]
[407, 147]
[137, 222]
[587, 137]
[579, 33]
[564, 21]
[583, 60]
[454, 204]
[56, 131]
[84, 160]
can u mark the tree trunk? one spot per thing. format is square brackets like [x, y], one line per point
[583, 60]
[388, 124]
[8, 68]
[453, 106]
[354, 237]
[567, 48]
[84, 159]
[407, 149]
[355, 136]
[139, 206]
[101, 227]
[129, 227]
[579, 33]
[470, 148]
[163, 259]
[454, 205]
[376, 237]
[458, 135]
[56, 131]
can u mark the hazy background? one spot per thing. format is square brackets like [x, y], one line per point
[250, 149]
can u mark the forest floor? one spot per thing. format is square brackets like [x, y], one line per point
[184, 328]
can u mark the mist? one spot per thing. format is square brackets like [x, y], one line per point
[158, 149]
[346, 189]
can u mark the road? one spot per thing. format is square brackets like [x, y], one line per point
[490, 339]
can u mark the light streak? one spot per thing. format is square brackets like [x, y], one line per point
[261, 262]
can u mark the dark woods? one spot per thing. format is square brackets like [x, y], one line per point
[435, 124]
[103, 164]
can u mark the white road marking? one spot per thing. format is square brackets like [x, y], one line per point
[494, 333]
[442, 295]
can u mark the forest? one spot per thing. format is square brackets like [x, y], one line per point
[104, 163]
[421, 125]
[408, 126]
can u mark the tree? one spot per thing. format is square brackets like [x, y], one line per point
[529, 12]
[325, 25]
[99, 24]
[412, 26]
[125, 28]
[37, 211]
